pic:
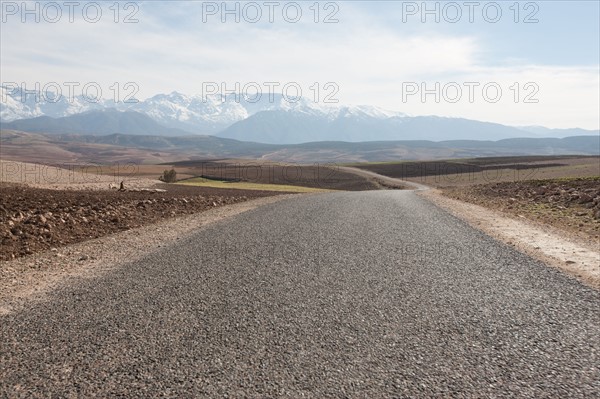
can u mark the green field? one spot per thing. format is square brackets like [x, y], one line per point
[200, 182]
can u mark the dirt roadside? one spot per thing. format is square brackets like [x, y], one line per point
[33, 277]
[569, 204]
[34, 219]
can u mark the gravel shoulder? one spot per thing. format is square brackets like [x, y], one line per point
[31, 277]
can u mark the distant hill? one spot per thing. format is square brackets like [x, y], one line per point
[156, 149]
[546, 132]
[192, 143]
[99, 122]
[292, 127]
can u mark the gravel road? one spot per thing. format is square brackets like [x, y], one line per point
[363, 294]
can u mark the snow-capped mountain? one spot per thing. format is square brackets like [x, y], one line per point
[212, 114]
[194, 113]
[16, 104]
[96, 123]
[268, 119]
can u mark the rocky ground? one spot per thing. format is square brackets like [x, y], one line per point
[34, 219]
[571, 204]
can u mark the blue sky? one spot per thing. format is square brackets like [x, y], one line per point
[374, 54]
[566, 34]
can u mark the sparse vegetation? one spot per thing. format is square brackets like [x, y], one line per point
[201, 182]
[169, 176]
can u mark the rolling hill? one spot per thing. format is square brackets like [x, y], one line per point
[292, 127]
[98, 122]
[15, 145]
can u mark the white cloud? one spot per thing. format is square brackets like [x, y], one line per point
[171, 49]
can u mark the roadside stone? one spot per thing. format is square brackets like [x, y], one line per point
[584, 198]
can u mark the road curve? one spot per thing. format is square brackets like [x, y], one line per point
[362, 294]
[386, 179]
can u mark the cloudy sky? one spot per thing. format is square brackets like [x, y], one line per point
[536, 63]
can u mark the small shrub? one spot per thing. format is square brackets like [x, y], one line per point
[169, 176]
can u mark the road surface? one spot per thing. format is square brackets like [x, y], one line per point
[362, 294]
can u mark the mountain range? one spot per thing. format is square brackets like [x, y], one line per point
[271, 120]
[101, 122]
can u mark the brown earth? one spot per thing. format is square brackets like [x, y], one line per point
[466, 172]
[34, 219]
[50, 149]
[570, 204]
[326, 176]
[561, 191]
[97, 176]
[49, 206]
